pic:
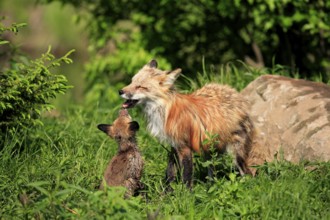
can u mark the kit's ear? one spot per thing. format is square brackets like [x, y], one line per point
[134, 126]
[104, 127]
[171, 76]
[153, 64]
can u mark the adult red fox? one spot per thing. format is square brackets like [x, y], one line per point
[184, 120]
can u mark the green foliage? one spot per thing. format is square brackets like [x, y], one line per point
[27, 86]
[70, 201]
[294, 33]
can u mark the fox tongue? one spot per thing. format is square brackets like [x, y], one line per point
[125, 104]
[129, 103]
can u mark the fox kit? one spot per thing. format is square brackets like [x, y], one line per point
[184, 120]
[125, 168]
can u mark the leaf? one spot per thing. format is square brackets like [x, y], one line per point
[4, 42]
[38, 186]
[232, 177]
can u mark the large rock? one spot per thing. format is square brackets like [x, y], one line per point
[291, 115]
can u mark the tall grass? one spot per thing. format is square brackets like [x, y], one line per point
[236, 74]
[53, 172]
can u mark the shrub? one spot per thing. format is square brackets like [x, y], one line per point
[27, 86]
[294, 33]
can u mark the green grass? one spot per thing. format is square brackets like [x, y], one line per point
[53, 172]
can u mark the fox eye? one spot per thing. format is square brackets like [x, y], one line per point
[140, 87]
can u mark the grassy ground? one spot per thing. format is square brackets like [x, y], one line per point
[53, 172]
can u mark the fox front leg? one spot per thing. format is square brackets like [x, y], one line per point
[179, 159]
[172, 168]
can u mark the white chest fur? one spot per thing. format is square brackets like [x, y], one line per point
[155, 114]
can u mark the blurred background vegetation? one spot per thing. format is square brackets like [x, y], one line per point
[113, 39]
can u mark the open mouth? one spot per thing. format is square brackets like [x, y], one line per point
[130, 103]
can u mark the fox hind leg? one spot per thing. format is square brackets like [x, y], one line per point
[130, 185]
[187, 163]
[242, 166]
[242, 145]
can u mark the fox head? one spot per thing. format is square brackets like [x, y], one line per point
[149, 84]
[123, 128]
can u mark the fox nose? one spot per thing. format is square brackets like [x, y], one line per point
[121, 92]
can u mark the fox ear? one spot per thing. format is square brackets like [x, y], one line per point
[171, 76]
[153, 64]
[104, 127]
[134, 126]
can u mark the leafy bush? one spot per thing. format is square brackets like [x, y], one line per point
[27, 86]
[294, 33]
